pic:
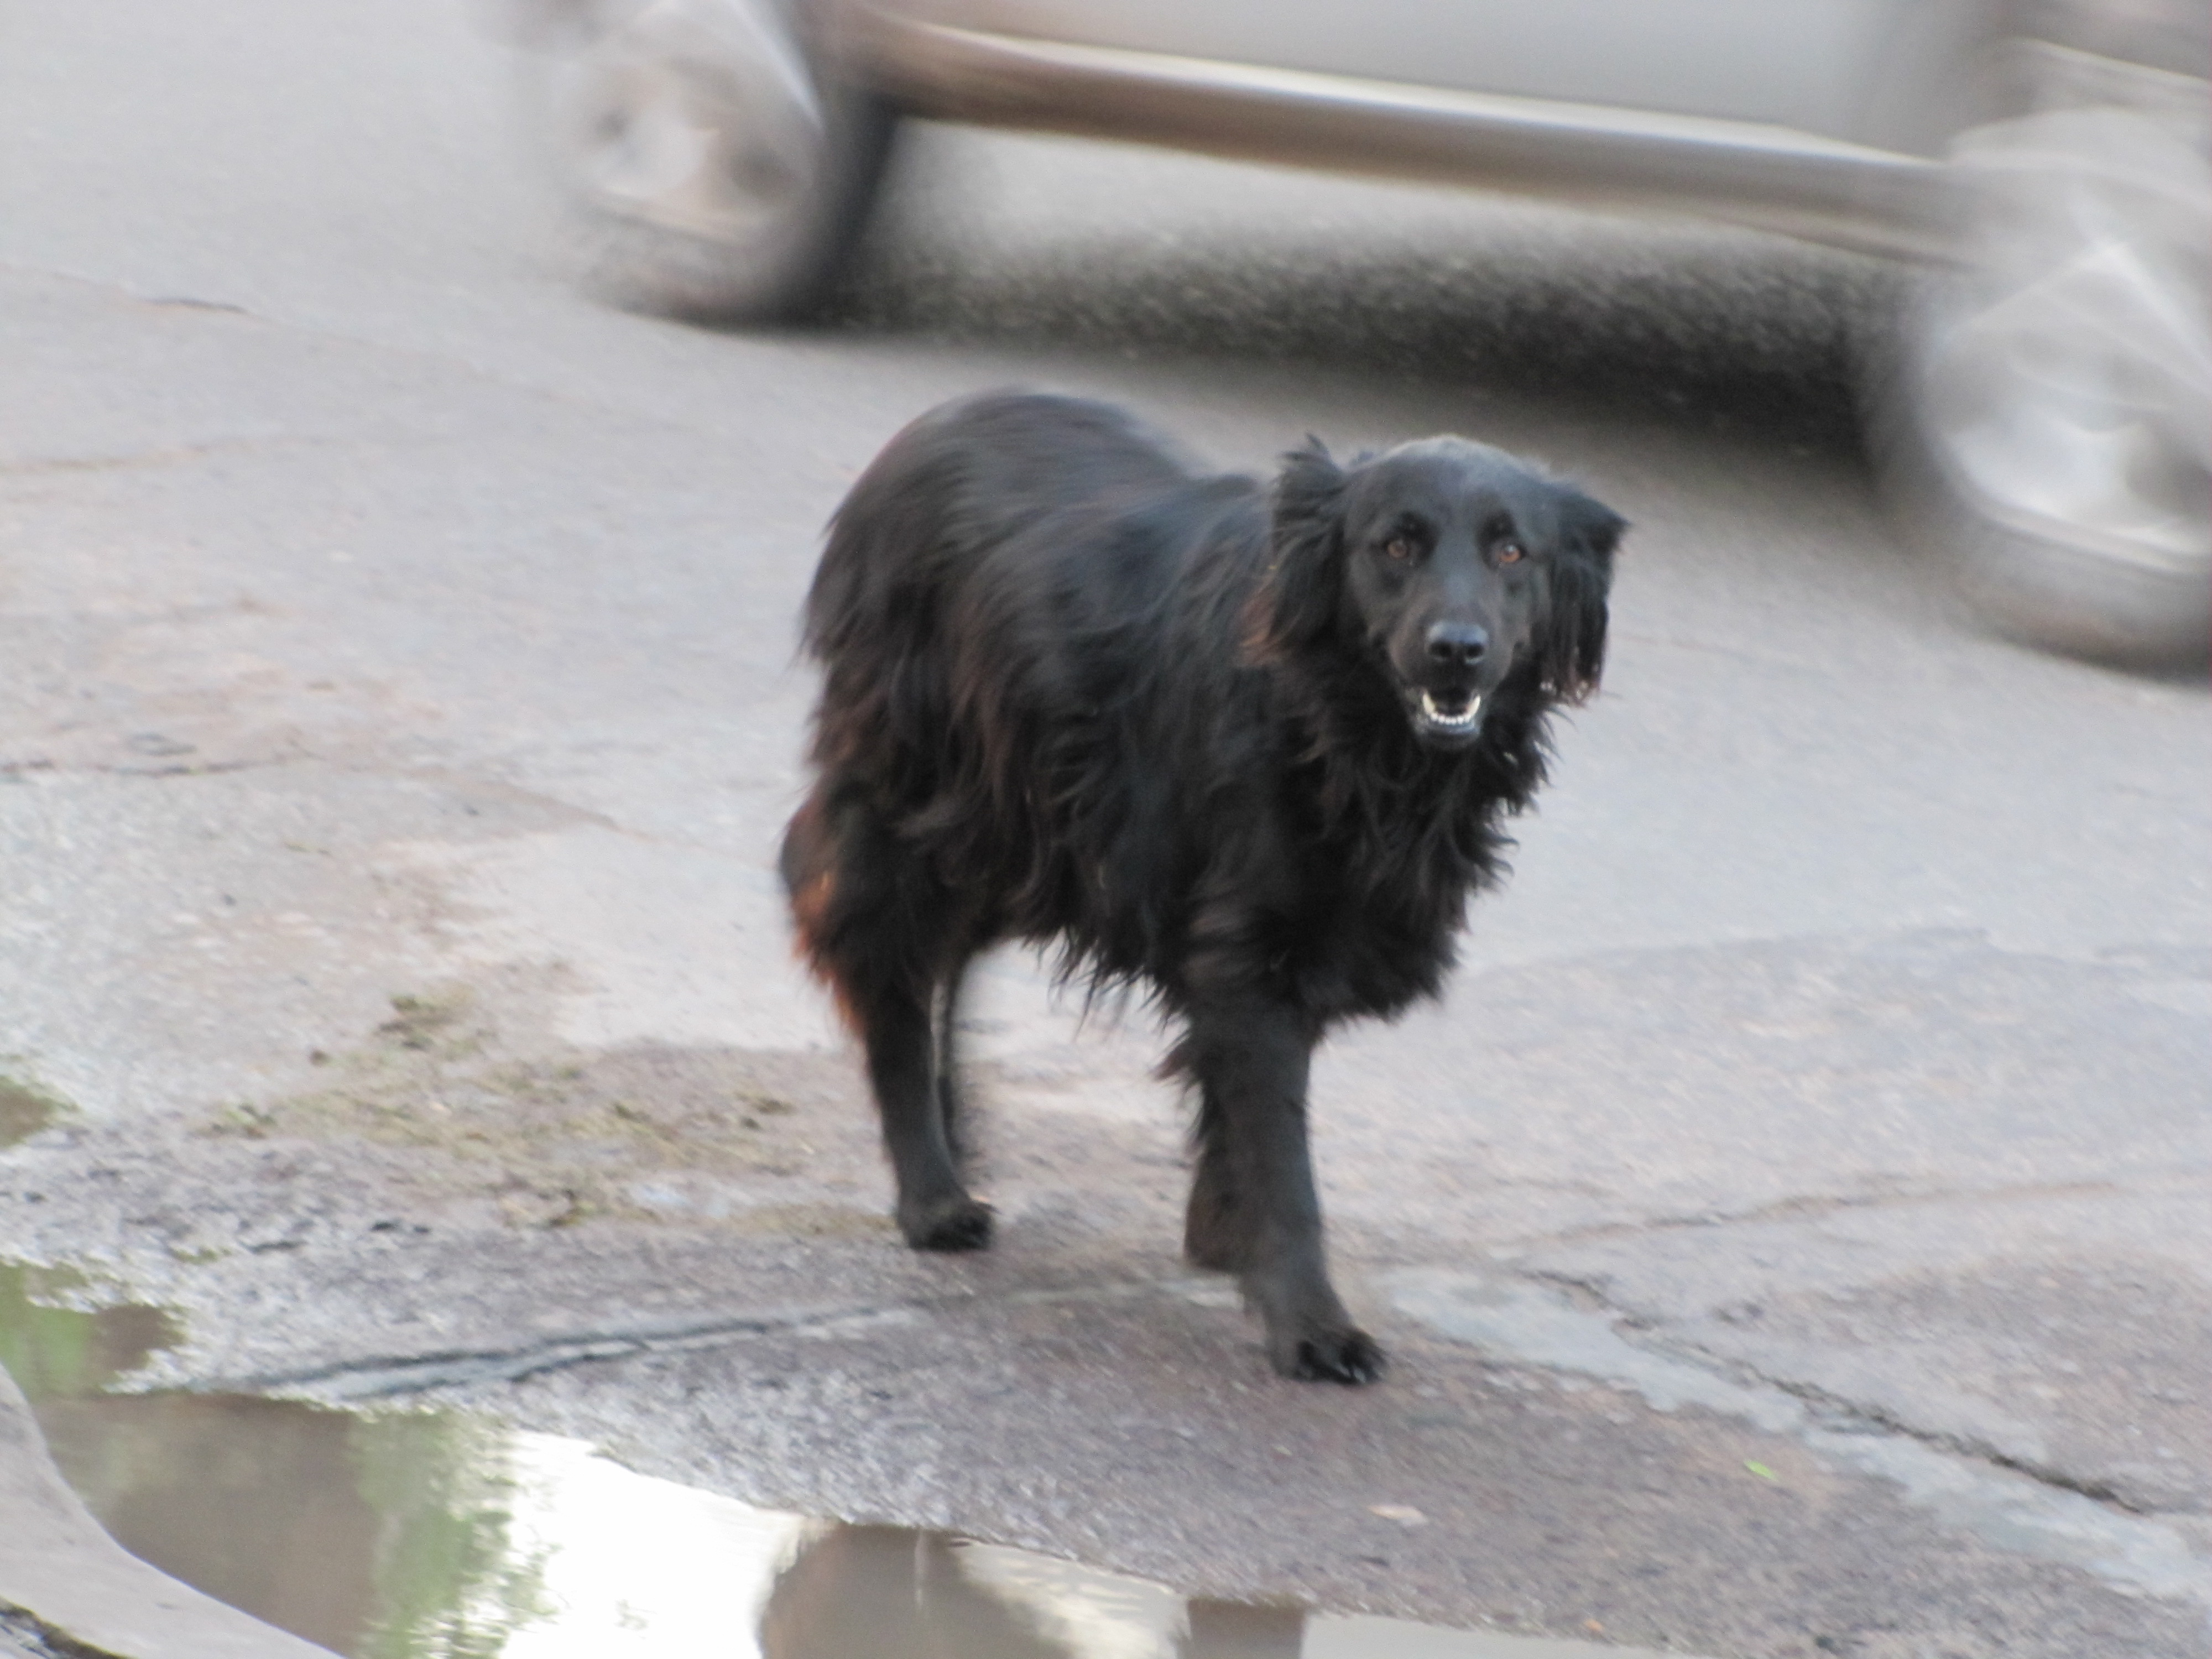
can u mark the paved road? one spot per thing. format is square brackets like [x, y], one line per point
[1792, 1229]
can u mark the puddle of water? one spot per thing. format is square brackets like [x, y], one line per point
[439, 1536]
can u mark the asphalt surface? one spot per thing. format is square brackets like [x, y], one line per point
[1791, 1231]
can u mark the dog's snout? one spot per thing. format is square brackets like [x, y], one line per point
[1457, 645]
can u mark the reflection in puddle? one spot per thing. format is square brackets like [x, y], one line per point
[382, 1536]
[441, 1536]
[55, 1348]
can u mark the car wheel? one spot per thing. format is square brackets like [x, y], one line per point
[711, 167]
[2044, 414]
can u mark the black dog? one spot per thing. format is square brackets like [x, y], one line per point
[1252, 753]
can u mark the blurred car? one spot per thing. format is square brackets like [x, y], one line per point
[2042, 412]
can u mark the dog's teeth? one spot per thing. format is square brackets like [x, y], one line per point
[1459, 722]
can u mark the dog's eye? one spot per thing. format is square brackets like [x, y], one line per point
[1399, 548]
[1510, 554]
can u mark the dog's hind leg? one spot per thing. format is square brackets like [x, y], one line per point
[1253, 1205]
[1213, 1229]
[876, 923]
[935, 1209]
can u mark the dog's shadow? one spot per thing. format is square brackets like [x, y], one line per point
[1024, 242]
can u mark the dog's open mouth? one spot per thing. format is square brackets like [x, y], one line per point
[1447, 714]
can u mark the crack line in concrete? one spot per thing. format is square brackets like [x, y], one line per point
[383, 1377]
[1837, 1408]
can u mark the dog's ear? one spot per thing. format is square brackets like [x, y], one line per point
[1571, 638]
[1305, 564]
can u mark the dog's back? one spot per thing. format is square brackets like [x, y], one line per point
[952, 493]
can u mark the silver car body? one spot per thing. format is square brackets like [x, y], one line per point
[1810, 117]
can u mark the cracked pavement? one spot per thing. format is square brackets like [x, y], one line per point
[1790, 1232]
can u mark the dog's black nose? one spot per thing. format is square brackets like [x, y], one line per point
[1457, 645]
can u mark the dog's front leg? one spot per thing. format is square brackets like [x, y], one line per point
[1250, 1057]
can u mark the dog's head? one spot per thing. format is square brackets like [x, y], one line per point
[1449, 565]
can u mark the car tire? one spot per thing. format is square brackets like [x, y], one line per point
[2042, 412]
[2042, 415]
[712, 164]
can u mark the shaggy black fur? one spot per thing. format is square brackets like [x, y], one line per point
[1249, 751]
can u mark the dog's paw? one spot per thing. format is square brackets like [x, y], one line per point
[1348, 1356]
[951, 1224]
